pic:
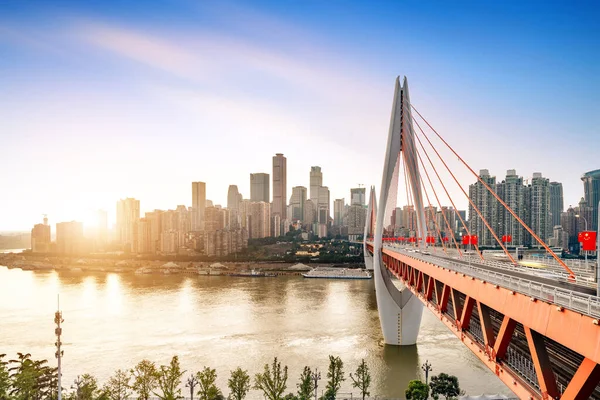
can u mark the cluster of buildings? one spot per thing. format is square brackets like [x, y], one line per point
[539, 203]
[215, 230]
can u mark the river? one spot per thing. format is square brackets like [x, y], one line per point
[115, 320]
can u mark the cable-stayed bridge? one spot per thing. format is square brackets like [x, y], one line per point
[535, 325]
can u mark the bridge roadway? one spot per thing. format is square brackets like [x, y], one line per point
[508, 269]
[565, 362]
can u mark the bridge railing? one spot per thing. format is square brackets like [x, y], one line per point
[586, 304]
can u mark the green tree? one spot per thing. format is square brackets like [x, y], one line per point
[239, 384]
[84, 388]
[144, 376]
[24, 373]
[445, 385]
[335, 377]
[306, 387]
[417, 390]
[168, 378]
[206, 383]
[4, 378]
[273, 381]
[117, 387]
[362, 379]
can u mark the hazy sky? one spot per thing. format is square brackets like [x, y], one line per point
[102, 100]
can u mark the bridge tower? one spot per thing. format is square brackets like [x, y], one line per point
[370, 228]
[400, 311]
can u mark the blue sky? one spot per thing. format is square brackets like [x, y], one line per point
[103, 100]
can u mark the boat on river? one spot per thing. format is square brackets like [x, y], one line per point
[337, 273]
[253, 274]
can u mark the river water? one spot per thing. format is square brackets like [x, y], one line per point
[115, 320]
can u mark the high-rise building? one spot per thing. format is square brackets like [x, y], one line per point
[338, 212]
[260, 220]
[279, 186]
[297, 202]
[198, 205]
[514, 194]
[358, 197]
[591, 193]
[154, 220]
[128, 213]
[568, 222]
[40, 237]
[275, 225]
[487, 206]
[316, 181]
[259, 188]
[144, 242]
[310, 213]
[323, 205]
[69, 237]
[556, 205]
[233, 198]
[540, 208]
[357, 215]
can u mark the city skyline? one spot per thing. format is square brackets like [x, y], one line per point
[98, 104]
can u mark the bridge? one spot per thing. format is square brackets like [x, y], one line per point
[535, 326]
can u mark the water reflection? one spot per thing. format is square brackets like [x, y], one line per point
[114, 320]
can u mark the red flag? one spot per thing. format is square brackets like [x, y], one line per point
[411, 240]
[588, 241]
[580, 237]
[465, 239]
[473, 239]
[446, 239]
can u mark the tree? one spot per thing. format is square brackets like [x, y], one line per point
[306, 387]
[168, 378]
[273, 381]
[4, 378]
[239, 384]
[445, 385]
[144, 379]
[85, 388]
[362, 379]
[206, 383]
[335, 377]
[417, 390]
[117, 386]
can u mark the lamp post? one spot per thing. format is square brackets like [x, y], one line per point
[585, 221]
[316, 376]
[426, 367]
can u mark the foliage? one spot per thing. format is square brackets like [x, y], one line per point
[417, 390]
[144, 376]
[362, 379]
[445, 385]
[306, 386]
[4, 378]
[273, 381]
[168, 379]
[30, 379]
[206, 383]
[117, 386]
[239, 384]
[335, 377]
[85, 388]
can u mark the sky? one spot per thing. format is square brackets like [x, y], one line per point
[103, 100]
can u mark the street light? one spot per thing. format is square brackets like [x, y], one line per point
[316, 376]
[584, 220]
[426, 367]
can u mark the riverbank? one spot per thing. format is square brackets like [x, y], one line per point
[31, 262]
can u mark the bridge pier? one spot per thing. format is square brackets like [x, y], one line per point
[400, 311]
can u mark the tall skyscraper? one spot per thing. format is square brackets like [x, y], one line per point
[260, 220]
[297, 202]
[513, 193]
[556, 203]
[128, 214]
[198, 205]
[540, 207]
[323, 205]
[357, 215]
[233, 198]
[40, 237]
[591, 193]
[486, 204]
[338, 212]
[259, 188]
[280, 186]
[358, 197]
[310, 213]
[316, 181]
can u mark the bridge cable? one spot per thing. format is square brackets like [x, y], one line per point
[540, 241]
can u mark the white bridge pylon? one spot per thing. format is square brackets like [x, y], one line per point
[400, 311]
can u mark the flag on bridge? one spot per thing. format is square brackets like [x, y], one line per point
[506, 238]
[588, 240]
[465, 239]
